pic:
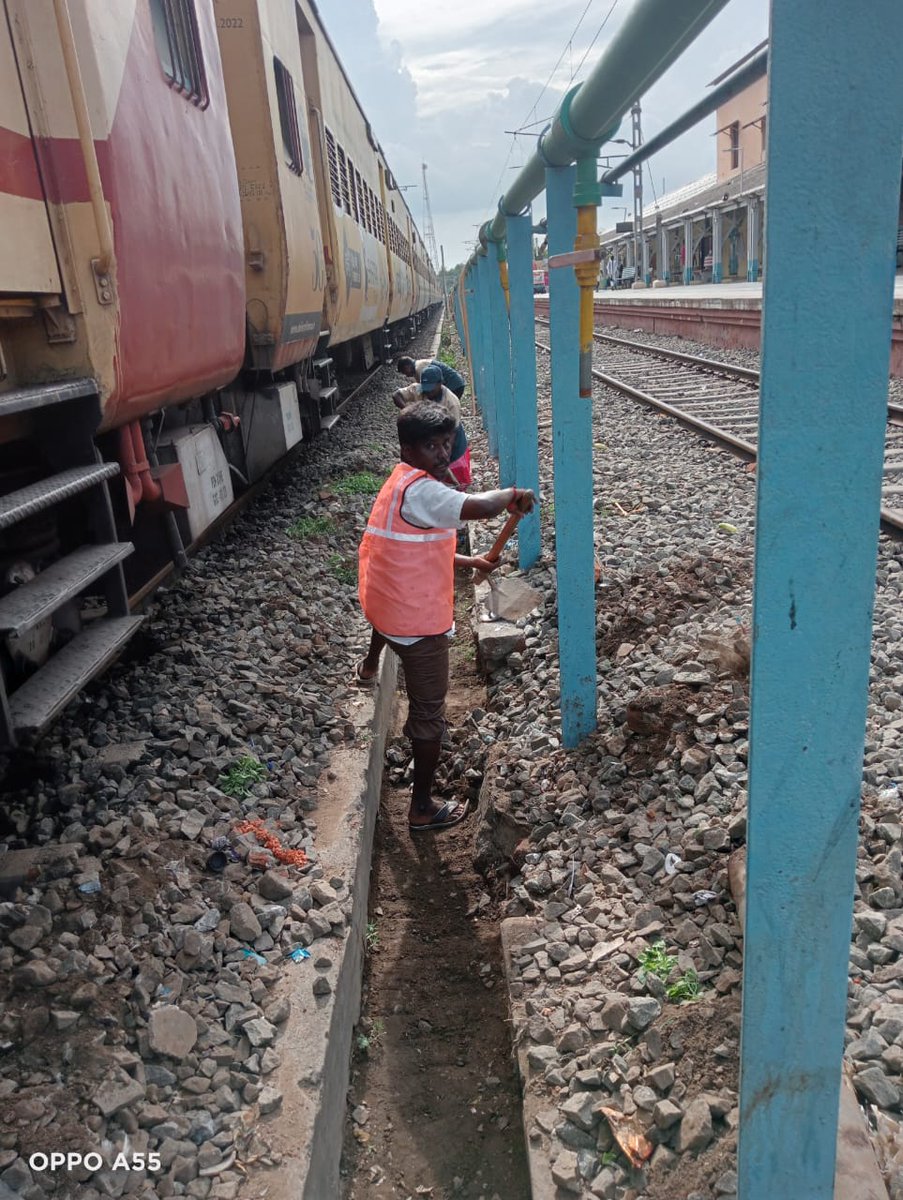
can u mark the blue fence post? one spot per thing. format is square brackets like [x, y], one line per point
[501, 358]
[523, 376]
[472, 305]
[825, 352]
[487, 365]
[572, 439]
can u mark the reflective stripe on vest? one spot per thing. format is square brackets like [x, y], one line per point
[406, 575]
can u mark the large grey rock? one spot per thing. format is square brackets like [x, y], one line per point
[695, 1131]
[580, 1109]
[243, 924]
[171, 1031]
[274, 887]
[117, 1092]
[875, 1085]
[642, 1011]
[566, 1173]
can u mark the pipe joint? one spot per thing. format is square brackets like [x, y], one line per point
[586, 185]
[581, 145]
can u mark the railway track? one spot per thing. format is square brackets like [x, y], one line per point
[721, 400]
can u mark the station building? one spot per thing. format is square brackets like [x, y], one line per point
[711, 230]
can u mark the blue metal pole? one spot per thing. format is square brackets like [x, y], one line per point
[523, 372]
[487, 369]
[501, 359]
[572, 439]
[825, 352]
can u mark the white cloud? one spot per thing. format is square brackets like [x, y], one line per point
[442, 82]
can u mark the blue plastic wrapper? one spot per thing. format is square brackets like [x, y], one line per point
[298, 954]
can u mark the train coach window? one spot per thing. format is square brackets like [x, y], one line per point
[343, 179]
[288, 118]
[179, 48]
[334, 185]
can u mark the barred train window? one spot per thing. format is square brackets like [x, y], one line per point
[333, 170]
[343, 178]
[179, 48]
[288, 118]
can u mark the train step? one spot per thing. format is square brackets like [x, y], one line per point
[44, 395]
[34, 705]
[29, 604]
[27, 501]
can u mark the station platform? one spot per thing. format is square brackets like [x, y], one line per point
[727, 315]
[741, 295]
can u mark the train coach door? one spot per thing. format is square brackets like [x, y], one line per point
[27, 256]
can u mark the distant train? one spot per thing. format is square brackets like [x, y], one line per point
[197, 225]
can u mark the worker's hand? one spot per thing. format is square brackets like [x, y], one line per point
[485, 566]
[525, 501]
[397, 400]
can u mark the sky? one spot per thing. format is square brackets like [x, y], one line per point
[442, 82]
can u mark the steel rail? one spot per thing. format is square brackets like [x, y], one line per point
[697, 365]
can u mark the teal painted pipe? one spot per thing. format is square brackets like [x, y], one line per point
[654, 34]
[501, 377]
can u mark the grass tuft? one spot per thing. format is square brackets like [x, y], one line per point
[241, 777]
[362, 483]
[310, 527]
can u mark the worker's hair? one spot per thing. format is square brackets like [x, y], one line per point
[405, 365]
[424, 420]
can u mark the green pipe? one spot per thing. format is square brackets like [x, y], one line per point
[654, 34]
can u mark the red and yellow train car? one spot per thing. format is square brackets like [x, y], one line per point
[194, 216]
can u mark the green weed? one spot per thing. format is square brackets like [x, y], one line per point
[371, 937]
[362, 483]
[657, 961]
[609, 1158]
[366, 1042]
[311, 527]
[342, 569]
[685, 988]
[241, 777]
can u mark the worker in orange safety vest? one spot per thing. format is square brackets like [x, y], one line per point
[407, 563]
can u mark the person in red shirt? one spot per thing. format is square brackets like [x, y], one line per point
[407, 561]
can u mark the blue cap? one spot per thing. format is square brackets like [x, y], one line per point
[432, 375]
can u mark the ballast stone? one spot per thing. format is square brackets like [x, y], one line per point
[171, 1031]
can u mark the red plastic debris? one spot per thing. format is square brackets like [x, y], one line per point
[294, 858]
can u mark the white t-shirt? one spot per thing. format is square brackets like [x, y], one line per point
[431, 505]
[412, 393]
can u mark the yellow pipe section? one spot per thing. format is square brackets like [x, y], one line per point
[503, 280]
[106, 262]
[587, 277]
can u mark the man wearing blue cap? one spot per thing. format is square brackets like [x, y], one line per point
[413, 368]
[432, 388]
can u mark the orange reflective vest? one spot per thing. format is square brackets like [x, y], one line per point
[406, 575]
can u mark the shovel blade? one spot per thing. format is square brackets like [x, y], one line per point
[512, 599]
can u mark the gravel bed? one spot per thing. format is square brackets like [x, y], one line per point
[140, 1005]
[737, 357]
[624, 843]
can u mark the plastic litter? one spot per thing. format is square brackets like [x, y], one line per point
[890, 794]
[252, 954]
[629, 1135]
[217, 862]
[295, 858]
[89, 887]
[727, 527]
[298, 954]
[672, 862]
[223, 844]
[704, 897]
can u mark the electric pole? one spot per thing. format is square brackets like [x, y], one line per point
[639, 241]
[429, 233]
